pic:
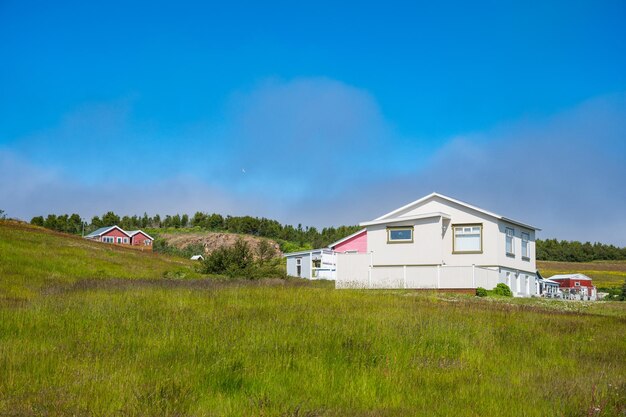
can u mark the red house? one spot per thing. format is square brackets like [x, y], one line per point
[140, 238]
[115, 235]
[575, 286]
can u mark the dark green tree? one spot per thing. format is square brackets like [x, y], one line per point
[37, 221]
[110, 219]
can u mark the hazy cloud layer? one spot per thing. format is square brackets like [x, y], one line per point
[564, 174]
[316, 151]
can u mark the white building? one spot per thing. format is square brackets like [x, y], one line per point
[438, 242]
[311, 264]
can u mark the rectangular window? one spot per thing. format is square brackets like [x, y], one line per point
[467, 238]
[509, 241]
[399, 234]
[298, 267]
[119, 240]
[525, 251]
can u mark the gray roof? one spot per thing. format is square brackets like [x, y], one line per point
[99, 231]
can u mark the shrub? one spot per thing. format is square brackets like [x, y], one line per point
[503, 290]
[481, 292]
[238, 261]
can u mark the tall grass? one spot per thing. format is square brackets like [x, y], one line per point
[33, 258]
[130, 341]
[289, 350]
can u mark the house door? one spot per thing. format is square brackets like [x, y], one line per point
[299, 267]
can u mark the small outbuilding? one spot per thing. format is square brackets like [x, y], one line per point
[197, 258]
[576, 286]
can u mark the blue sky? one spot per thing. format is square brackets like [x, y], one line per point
[317, 113]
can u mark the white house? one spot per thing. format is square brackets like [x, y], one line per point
[436, 242]
[311, 264]
[320, 263]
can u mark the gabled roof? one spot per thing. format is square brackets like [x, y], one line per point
[450, 199]
[103, 230]
[332, 245]
[134, 232]
[581, 277]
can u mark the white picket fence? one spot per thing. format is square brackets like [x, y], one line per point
[356, 271]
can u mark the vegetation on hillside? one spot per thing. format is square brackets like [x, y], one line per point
[33, 259]
[573, 251]
[294, 238]
[290, 237]
[239, 261]
[605, 274]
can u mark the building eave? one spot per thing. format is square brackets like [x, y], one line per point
[406, 219]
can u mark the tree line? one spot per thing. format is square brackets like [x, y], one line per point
[574, 251]
[261, 227]
[547, 250]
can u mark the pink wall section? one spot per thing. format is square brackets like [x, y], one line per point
[139, 238]
[357, 243]
[115, 233]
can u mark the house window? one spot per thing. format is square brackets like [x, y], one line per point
[119, 240]
[147, 242]
[125, 240]
[577, 284]
[298, 267]
[525, 251]
[399, 234]
[509, 241]
[467, 238]
[107, 239]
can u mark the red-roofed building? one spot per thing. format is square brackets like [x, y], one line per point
[576, 286]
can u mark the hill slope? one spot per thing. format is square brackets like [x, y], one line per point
[605, 274]
[33, 258]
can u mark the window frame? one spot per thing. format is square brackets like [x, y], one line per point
[392, 228]
[506, 237]
[463, 225]
[526, 241]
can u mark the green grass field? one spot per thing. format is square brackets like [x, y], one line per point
[605, 274]
[142, 343]
[33, 258]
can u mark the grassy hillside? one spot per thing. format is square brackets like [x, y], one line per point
[33, 258]
[141, 344]
[605, 274]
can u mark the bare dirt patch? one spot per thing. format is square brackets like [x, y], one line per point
[212, 241]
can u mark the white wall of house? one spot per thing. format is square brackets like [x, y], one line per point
[425, 249]
[429, 260]
[305, 265]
